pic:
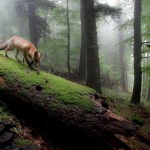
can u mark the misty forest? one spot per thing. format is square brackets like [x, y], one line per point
[74, 74]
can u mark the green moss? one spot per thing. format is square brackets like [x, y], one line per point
[4, 115]
[24, 144]
[63, 90]
[137, 119]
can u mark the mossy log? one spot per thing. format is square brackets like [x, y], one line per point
[48, 97]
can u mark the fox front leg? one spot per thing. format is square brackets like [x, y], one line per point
[38, 72]
[27, 61]
[31, 62]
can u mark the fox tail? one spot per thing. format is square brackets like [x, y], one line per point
[3, 46]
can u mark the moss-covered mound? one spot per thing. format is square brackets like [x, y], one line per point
[45, 85]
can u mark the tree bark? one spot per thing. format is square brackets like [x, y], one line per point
[83, 51]
[68, 37]
[32, 23]
[148, 90]
[93, 64]
[46, 97]
[21, 13]
[136, 95]
[123, 68]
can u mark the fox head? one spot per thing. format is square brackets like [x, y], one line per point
[36, 58]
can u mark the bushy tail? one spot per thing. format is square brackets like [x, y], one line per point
[3, 46]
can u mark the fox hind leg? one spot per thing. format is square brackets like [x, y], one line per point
[7, 49]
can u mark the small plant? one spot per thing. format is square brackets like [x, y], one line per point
[137, 120]
[23, 143]
[4, 115]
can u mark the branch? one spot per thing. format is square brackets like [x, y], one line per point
[145, 42]
[145, 51]
[107, 10]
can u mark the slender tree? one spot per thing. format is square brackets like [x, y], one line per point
[123, 68]
[136, 95]
[32, 23]
[2, 32]
[83, 55]
[148, 90]
[93, 64]
[68, 37]
[20, 10]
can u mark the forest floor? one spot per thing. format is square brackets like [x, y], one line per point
[140, 115]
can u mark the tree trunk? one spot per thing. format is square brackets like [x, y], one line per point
[83, 51]
[49, 99]
[2, 32]
[93, 64]
[32, 23]
[68, 37]
[136, 95]
[123, 68]
[20, 10]
[145, 78]
[148, 90]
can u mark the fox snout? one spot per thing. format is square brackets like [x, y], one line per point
[37, 57]
[36, 62]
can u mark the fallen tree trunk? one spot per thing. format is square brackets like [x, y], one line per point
[47, 97]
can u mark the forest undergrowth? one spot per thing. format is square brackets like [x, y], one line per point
[140, 115]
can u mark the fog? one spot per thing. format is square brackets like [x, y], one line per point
[53, 43]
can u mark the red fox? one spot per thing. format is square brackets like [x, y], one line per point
[30, 53]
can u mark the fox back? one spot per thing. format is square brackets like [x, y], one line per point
[20, 44]
[27, 48]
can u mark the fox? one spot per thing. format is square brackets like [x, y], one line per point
[30, 53]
